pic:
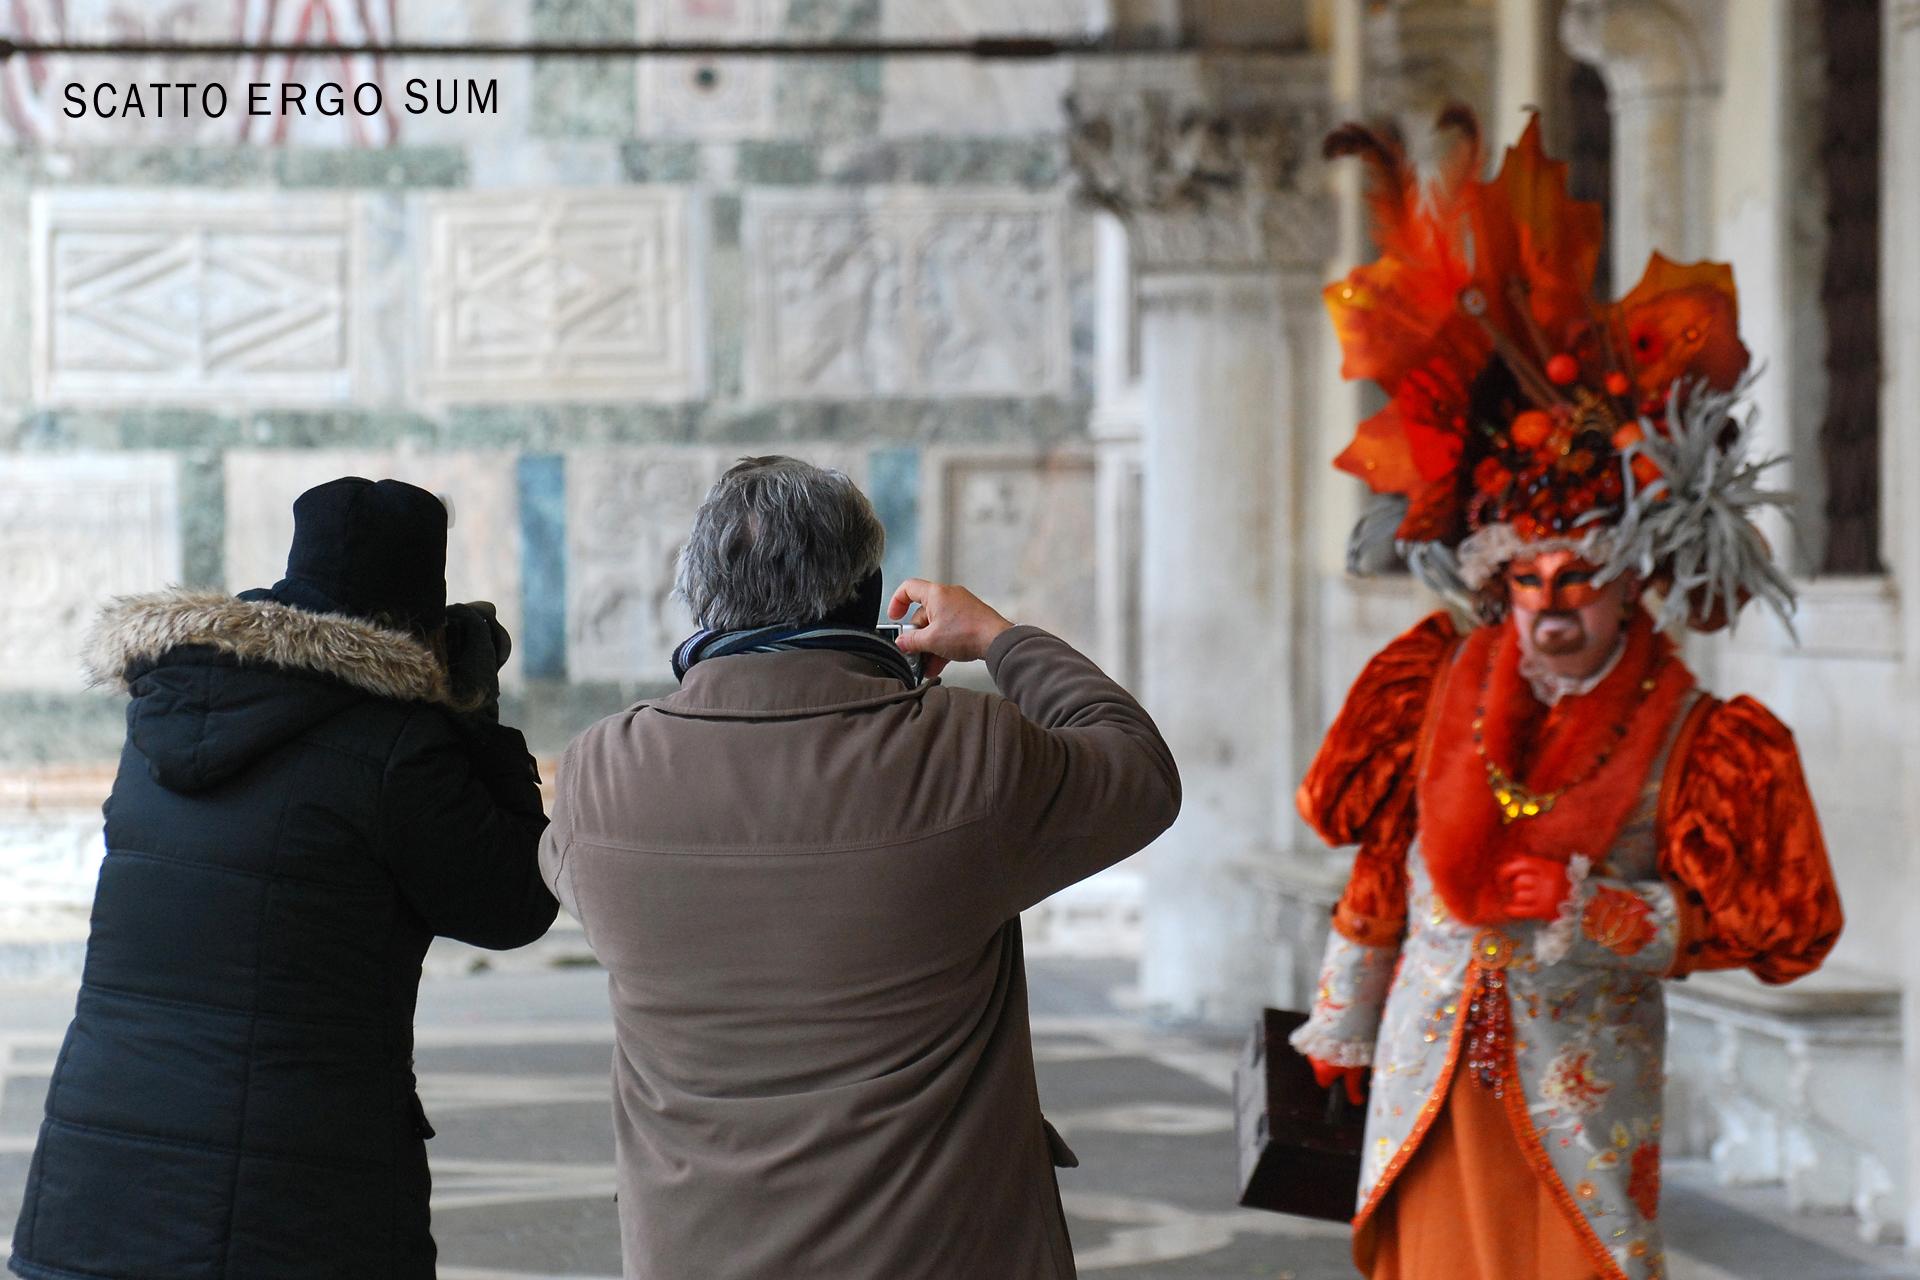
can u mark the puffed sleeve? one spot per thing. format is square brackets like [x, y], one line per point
[1741, 846]
[1360, 788]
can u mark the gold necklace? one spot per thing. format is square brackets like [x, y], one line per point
[1514, 798]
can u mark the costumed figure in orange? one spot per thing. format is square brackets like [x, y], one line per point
[1553, 820]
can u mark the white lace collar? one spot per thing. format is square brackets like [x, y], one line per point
[1550, 686]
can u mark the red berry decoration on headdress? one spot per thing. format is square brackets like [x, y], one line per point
[1512, 391]
[1531, 429]
[1491, 477]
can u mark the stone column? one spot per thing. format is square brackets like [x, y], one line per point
[1210, 165]
[1523, 78]
[1115, 428]
[1661, 62]
[1900, 436]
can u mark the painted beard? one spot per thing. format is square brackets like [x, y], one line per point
[1555, 633]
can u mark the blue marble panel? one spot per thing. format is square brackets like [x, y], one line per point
[543, 565]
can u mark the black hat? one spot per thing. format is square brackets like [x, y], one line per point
[371, 549]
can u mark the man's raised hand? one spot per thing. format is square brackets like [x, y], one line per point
[953, 624]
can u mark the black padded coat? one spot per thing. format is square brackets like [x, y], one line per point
[296, 816]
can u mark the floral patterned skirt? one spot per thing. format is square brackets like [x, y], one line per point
[1467, 1207]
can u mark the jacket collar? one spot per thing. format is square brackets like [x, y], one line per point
[782, 686]
[138, 630]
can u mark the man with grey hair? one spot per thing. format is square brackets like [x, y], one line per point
[803, 872]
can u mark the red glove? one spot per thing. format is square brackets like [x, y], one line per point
[1532, 888]
[1356, 1077]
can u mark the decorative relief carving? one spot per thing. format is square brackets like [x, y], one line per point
[906, 294]
[557, 296]
[483, 546]
[708, 98]
[33, 89]
[143, 296]
[1017, 528]
[1206, 178]
[75, 531]
[629, 511]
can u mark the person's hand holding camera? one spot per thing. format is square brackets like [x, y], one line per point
[953, 624]
[477, 647]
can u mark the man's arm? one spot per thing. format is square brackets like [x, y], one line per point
[1082, 776]
[461, 824]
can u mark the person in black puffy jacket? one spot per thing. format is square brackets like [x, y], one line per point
[314, 785]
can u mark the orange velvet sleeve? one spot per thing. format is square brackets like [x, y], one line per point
[1741, 846]
[1360, 788]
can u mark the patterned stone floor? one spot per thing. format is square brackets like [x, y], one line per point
[514, 1068]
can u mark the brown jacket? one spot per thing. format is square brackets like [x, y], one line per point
[804, 882]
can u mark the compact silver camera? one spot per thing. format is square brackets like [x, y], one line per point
[893, 631]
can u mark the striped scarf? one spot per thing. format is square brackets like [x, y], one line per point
[705, 644]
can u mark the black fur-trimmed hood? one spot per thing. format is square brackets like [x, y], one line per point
[219, 683]
[135, 631]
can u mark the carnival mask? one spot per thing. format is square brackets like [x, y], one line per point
[1561, 612]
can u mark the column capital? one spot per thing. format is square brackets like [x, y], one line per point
[1213, 163]
[1423, 54]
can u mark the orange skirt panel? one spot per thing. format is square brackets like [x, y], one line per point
[1468, 1207]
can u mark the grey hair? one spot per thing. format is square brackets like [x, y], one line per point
[778, 540]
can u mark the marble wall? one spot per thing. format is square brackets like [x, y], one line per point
[567, 305]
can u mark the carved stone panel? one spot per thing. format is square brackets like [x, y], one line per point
[559, 296]
[964, 96]
[711, 97]
[74, 531]
[629, 511]
[191, 297]
[483, 545]
[1018, 529]
[906, 293]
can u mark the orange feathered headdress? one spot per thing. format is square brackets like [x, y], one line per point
[1521, 407]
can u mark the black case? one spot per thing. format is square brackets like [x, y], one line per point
[1299, 1144]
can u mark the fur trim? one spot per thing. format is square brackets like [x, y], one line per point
[1317, 1042]
[385, 663]
[1552, 943]
[1484, 554]
[1461, 835]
